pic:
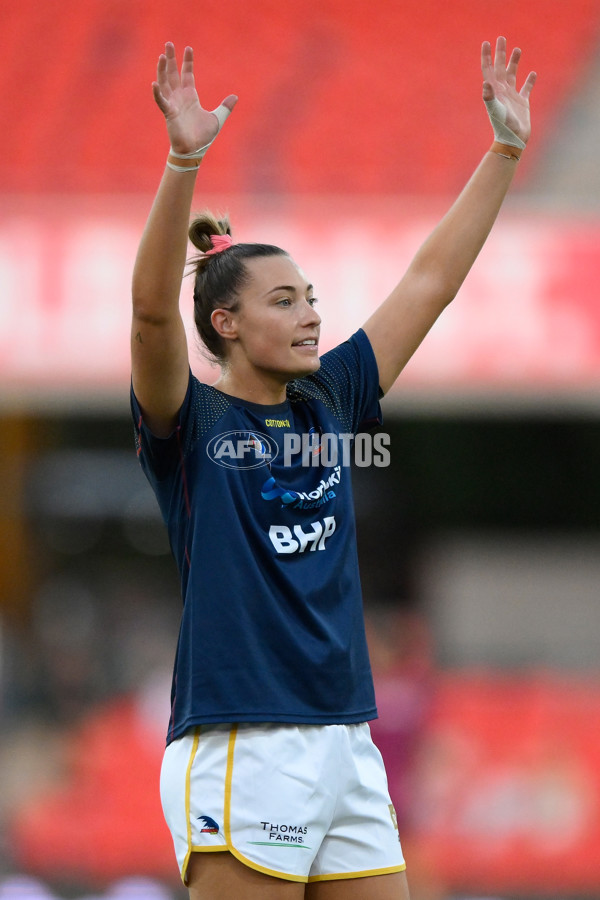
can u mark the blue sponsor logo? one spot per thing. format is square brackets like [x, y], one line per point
[321, 494]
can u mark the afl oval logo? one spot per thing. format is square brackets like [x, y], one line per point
[242, 449]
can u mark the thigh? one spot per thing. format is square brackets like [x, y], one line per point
[376, 887]
[220, 876]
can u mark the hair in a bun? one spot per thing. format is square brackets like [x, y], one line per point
[219, 277]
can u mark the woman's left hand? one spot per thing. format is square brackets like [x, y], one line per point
[508, 108]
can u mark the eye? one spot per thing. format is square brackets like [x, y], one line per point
[285, 301]
[312, 301]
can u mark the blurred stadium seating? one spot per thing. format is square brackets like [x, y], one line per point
[367, 98]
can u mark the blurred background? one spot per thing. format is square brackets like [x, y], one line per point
[357, 125]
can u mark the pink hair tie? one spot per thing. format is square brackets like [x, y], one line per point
[219, 243]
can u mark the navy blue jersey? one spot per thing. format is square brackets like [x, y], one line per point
[258, 505]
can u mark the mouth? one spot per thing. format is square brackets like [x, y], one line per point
[310, 343]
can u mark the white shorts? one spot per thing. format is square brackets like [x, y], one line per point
[300, 802]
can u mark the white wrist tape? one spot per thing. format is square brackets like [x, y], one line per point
[221, 112]
[497, 113]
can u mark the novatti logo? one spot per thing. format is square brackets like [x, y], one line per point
[242, 449]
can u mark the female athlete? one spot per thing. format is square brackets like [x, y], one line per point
[270, 784]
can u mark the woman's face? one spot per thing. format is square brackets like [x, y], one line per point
[277, 325]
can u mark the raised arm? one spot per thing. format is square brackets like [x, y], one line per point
[440, 266]
[159, 350]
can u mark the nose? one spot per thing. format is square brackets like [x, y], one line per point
[311, 316]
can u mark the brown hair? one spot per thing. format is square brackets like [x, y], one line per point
[220, 277]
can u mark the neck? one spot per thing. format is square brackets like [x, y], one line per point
[264, 389]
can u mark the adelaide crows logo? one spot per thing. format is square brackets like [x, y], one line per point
[210, 826]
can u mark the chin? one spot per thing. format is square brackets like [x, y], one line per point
[308, 369]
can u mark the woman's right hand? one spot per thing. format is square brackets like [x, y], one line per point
[190, 127]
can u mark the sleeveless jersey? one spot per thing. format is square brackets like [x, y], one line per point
[258, 505]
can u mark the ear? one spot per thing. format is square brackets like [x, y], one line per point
[224, 323]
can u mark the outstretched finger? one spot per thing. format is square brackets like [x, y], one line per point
[513, 65]
[230, 101]
[500, 59]
[187, 68]
[171, 69]
[528, 86]
[487, 67]
[223, 110]
[161, 71]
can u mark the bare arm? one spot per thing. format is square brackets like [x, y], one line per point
[159, 351]
[440, 266]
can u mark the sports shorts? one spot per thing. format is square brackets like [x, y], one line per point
[299, 802]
